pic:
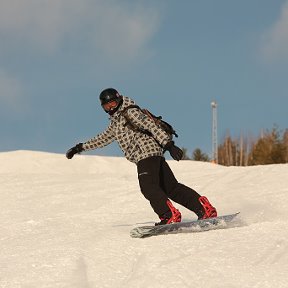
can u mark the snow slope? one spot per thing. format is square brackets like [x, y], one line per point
[65, 223]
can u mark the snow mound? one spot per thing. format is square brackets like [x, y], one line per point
[65, 223]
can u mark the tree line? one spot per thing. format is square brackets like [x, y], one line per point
[271, 147]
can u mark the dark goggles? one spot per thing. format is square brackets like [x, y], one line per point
[110, 105]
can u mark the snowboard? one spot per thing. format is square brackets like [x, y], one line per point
[220, 222]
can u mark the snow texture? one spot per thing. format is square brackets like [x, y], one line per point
[66, 223]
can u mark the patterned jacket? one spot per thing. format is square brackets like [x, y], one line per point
[135, 145]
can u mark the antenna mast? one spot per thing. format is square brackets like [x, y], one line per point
[214, 133]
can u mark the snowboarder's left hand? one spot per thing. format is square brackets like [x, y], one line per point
[175, 152]
[74, 150]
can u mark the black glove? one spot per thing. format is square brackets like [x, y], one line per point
[175, 152]
[74, 150]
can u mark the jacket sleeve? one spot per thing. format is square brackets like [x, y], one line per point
[143, 121]
[101, 140]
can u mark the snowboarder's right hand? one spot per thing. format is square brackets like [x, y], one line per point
[74, 150]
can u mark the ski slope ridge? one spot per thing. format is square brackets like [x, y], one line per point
[65, 223]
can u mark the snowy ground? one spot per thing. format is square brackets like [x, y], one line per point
[65, 223]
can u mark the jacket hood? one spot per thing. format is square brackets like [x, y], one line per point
[126, 102]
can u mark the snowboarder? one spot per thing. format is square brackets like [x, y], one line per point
[157, 181]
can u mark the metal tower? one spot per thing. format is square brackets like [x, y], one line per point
[214, 133]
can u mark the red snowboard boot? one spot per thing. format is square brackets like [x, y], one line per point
[208, 210]
[171, 216]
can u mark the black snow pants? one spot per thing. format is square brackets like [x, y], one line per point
[158, 184]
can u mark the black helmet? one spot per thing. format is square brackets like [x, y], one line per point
[110, 95]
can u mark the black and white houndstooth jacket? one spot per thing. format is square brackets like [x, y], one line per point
[135, 145]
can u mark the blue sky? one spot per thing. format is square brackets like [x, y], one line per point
[173, 57]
